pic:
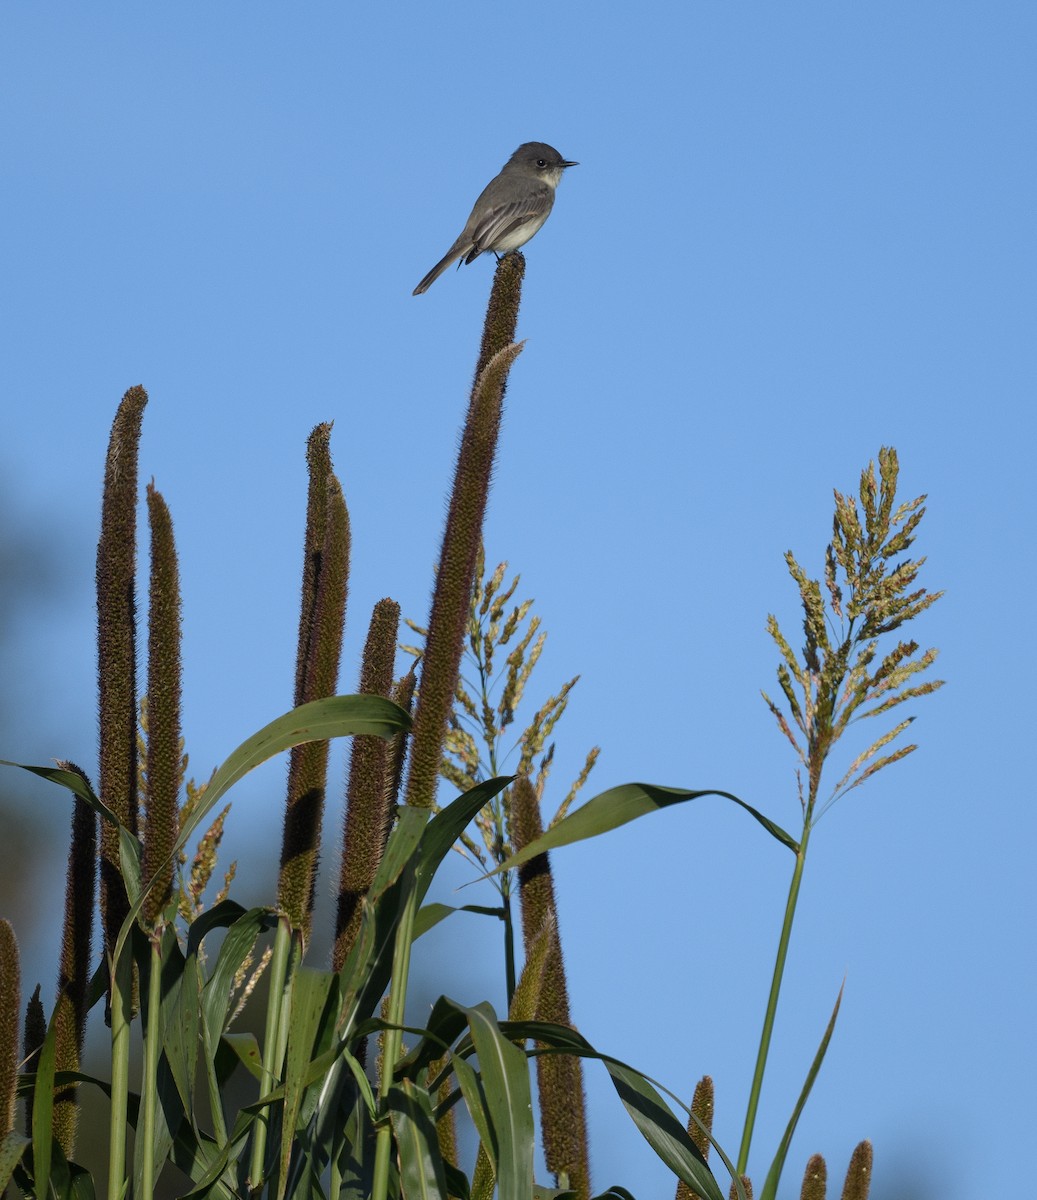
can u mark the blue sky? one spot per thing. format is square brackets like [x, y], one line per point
[798, 232]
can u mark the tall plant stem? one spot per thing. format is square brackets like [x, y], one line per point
[271, 1042]
[509, 939]
[772, 1000]
[149, 1082]
[500, 814]
[122, 1003]
[393, 1039]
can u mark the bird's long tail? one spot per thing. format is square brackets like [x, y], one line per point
[451, 256]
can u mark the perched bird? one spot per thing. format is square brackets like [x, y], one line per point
[511, 208]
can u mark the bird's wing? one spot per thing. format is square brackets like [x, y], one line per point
[503, 218]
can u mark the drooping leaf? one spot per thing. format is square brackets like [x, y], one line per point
[651, 1115]
[661, 1129]
[319, 720]
[617, 807]
[430, 915]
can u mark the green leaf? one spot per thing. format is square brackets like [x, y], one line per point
[131, 854]
[215, 999]
[652, 1116]
[472, 1090]
[663, 1132]
[448, 824]
[245, 1048]
[430, 915]
[76, 784]
[237, 945]
[12, 1147]
[399, 849]
[446, 1022]
[205, 1162]
[770, 1186]
[421, 1165]
[220, 916]
[355, 1150]
[60, 1183]
[314, 1003]
[81, 1184]
[618, 806]
[43, 1112]
[505, 1081]
[456, 1182]
[317, 721]
[366, 971]
[180, 1019]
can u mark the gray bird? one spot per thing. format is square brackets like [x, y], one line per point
[511, 208]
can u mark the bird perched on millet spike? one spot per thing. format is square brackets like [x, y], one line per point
[511, 208]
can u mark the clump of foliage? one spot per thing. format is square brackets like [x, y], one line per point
[320, 1120]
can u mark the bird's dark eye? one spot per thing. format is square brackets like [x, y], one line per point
[541, 162]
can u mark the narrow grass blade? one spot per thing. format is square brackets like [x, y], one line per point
[76, 784]
[354, 1160]
[43, 1113]
[367, 970]
[81, 1184]
[770, 1186]
[448, 824]
[472, 1090]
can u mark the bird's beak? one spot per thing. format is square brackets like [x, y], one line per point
[570, 164]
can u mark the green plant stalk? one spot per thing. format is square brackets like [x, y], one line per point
[268, 1081]
[149, 1080]
[122, 1004]
[509, 937]
[510, 975]
[772, 1001]
[393, 1039]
